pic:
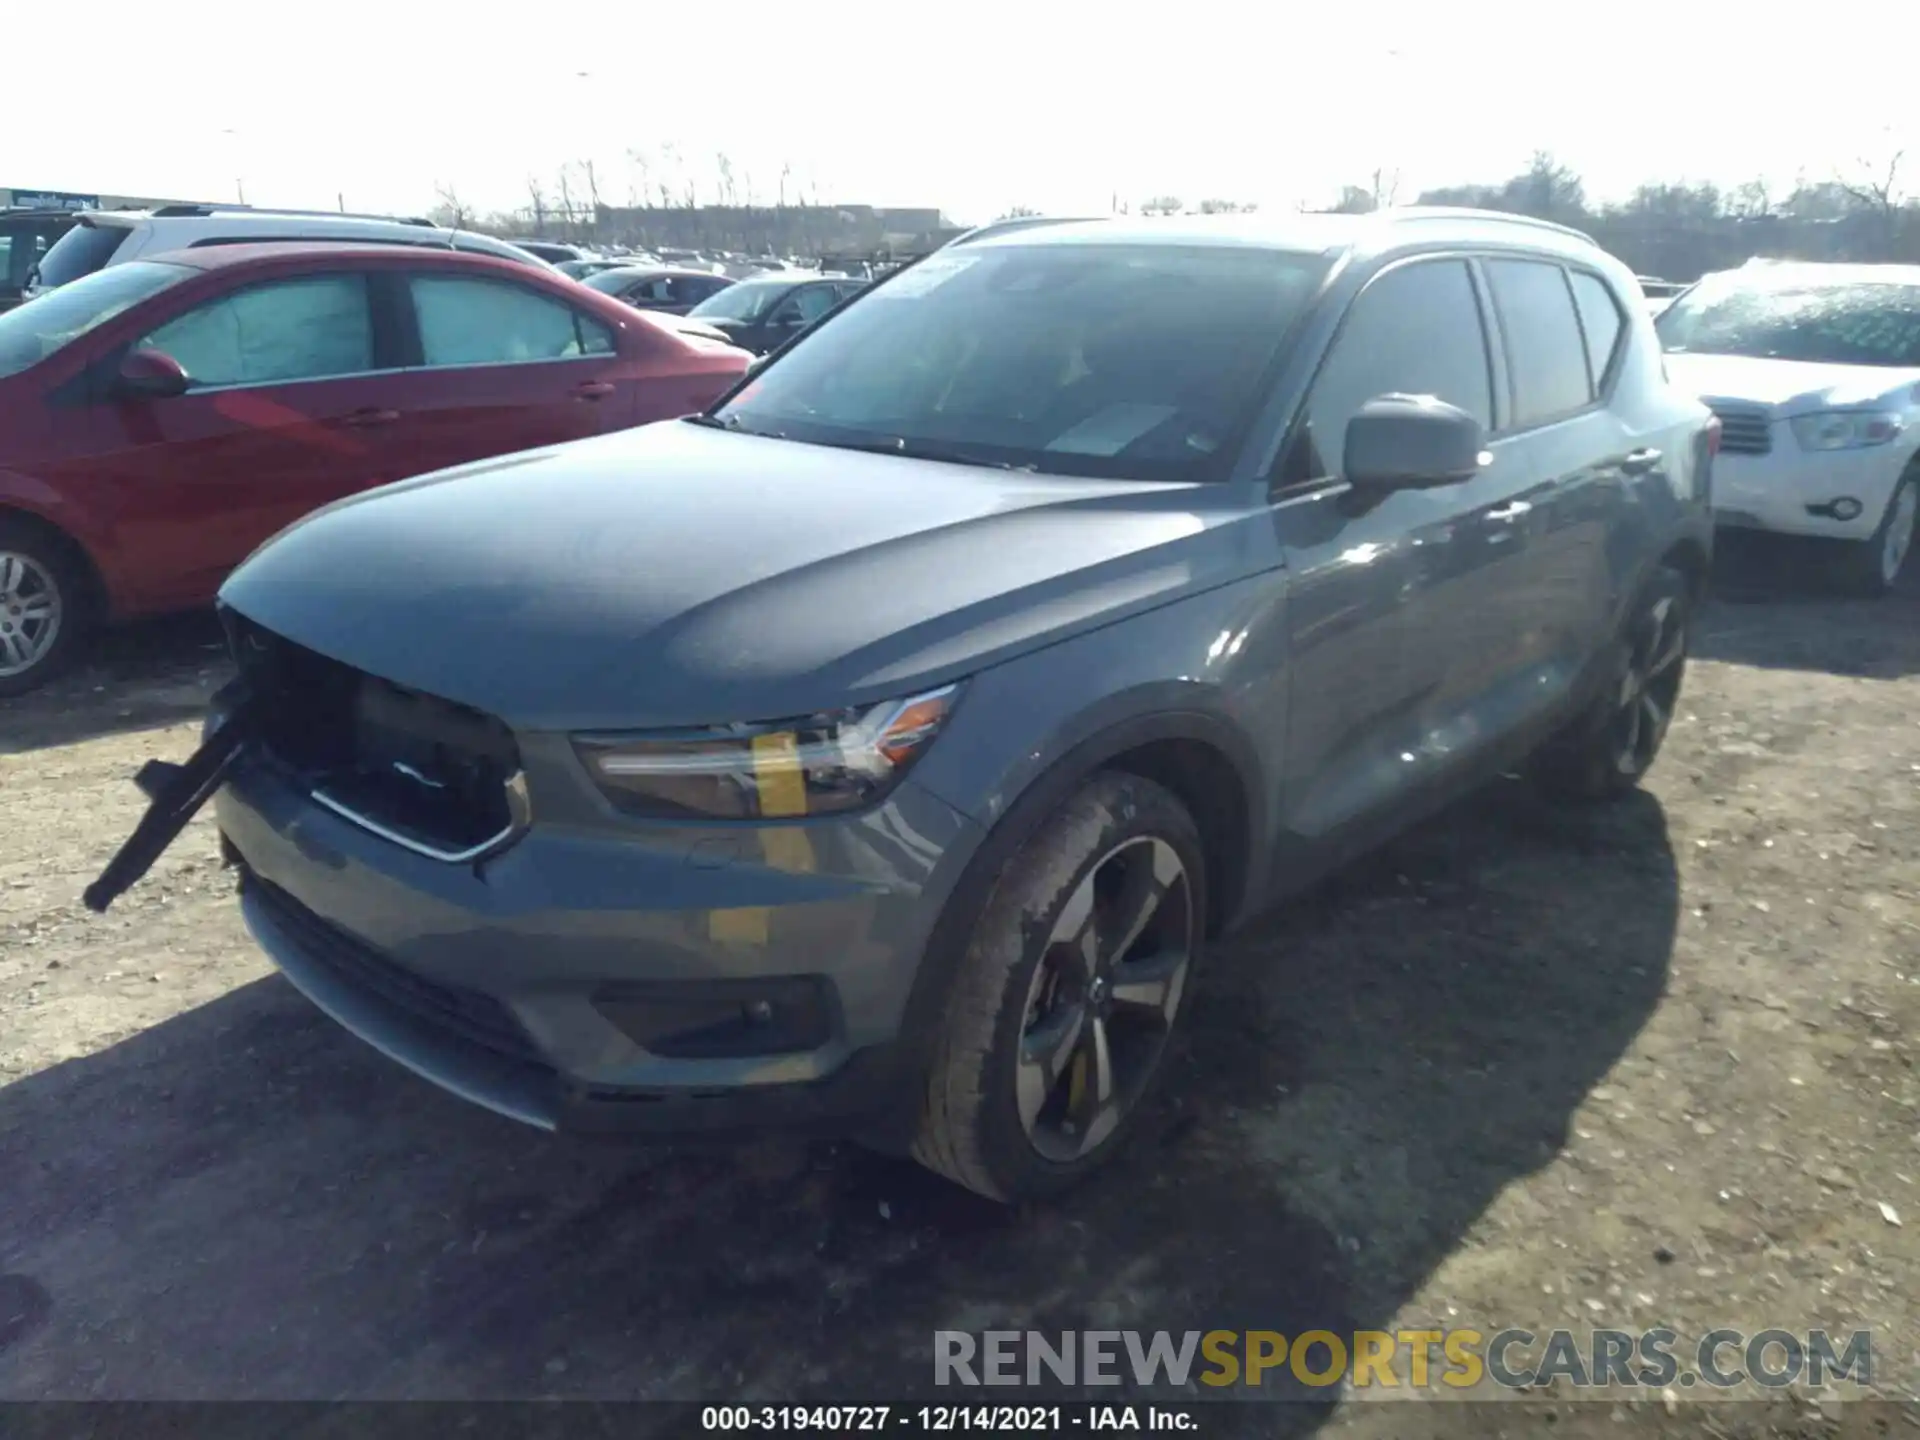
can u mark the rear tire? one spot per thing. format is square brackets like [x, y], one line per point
[1870, 568]
[1068, 994]
[43, 605]
[1609, 749]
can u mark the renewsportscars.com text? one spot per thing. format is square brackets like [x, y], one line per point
[1458, 1359]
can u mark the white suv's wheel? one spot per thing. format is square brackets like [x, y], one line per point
[1872, 566]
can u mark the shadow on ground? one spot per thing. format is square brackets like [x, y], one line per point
[1775, 608]
[246, 1202]
[158, 672]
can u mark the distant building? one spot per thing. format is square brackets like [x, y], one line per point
[773, 229]
[22, 199]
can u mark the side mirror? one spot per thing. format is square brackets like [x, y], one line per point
[1412, 442]
[149, 374]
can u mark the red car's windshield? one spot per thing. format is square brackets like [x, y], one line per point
[36, 330]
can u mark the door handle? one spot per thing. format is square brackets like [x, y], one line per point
[1510, 513]
[1640, 461]
[372, 415]
[593, 389]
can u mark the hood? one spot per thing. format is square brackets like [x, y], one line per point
[1789, 387]
[678, 575]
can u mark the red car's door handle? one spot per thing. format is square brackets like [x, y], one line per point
[593, 389]
[372, 415]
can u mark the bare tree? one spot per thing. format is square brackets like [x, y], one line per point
[592, 181]
[569, 209]
[1385, 188]
[1876, 184]
[1227, 207]
[537, 204]
[639, 170]
[1751, 200]
[450, 210]
[1162, 205]
[724, 167]
[786, 170]
[1875, 188]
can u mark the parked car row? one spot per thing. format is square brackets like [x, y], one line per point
[164, 414]
[878, 749]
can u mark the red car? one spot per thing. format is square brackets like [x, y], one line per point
[159, 419]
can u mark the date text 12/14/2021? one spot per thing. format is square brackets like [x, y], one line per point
[944, 1419]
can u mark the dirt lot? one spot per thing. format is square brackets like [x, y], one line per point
[1653, 1065]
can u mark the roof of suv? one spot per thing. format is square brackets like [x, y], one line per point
[1310, 233]
[249, 252]
[222, 224]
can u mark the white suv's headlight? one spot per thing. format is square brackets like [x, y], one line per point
[816, 766]
[1845, 429]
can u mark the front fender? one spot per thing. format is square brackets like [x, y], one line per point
[26, 495]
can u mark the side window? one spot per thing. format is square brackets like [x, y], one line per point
[310, 328]
[1546, 354]
[1415, 330]
[469, 321]
[1599, 320]
[815, 301]
[651, 292]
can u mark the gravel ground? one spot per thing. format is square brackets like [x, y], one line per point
[1650, 1065]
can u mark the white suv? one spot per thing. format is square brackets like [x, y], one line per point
[112, 237]
[1814, 371]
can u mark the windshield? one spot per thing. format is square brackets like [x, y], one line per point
[33, 331]
[1875, 323]
[81, 251]
[1129, 361]
[612, 282]
[745, 302]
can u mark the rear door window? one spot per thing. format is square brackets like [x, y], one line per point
[313, 327]
[1599, 321]
[81, 251]
[1546, 353]
[465, 320]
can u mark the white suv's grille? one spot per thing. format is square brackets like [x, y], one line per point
[1744, 430]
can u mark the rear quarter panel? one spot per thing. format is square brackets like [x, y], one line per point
[1670, 505]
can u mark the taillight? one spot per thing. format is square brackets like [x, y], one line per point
[1713, 435]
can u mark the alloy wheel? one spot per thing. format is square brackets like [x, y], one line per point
[30, 612]
[1103, 998]
[1899, 537]
[1649, 686]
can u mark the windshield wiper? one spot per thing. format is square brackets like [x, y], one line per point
[714, 422]
[923, 450]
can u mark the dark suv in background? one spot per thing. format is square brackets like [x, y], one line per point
[881, 749]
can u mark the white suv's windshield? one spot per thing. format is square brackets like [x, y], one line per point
[35, 330]
[1873, 323]
[1124, 360]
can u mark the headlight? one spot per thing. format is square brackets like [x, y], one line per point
[817, 766]
[1845, 429]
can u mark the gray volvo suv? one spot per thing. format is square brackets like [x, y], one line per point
[880, 750]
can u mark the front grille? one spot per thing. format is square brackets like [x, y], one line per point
[1743, 430]
[474, 1017]
[436, 777]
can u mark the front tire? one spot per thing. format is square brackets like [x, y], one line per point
[1068, 994]
[1871, 567]
[42, 607]
[1608, 751]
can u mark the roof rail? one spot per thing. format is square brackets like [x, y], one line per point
[1016, 222]
[1466, 212]
[182, 210]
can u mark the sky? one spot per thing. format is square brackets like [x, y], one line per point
[974, 107]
